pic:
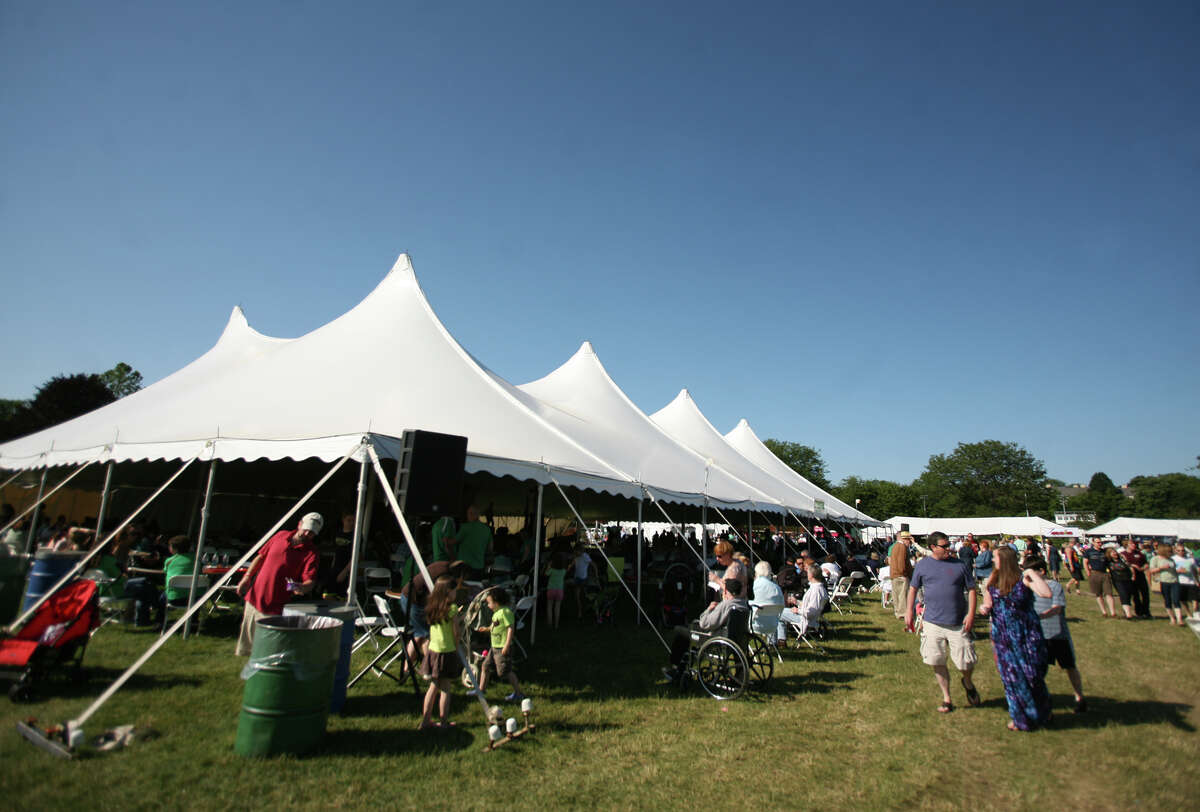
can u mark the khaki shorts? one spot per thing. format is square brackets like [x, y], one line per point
[1100, 584]
[245, 642]
[936, 640]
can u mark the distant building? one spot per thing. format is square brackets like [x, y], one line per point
[1076, 519]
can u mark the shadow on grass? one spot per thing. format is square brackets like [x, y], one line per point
[1103, 711]
[815, 682]
[356, 742]
[63, 684]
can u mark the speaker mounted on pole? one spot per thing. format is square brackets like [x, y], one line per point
[431, 473]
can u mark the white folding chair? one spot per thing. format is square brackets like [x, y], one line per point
[840, 593]
[858, 580]
[520, 584]
[521, 611]
[184, 584]
[803, 629]
[113, 610]
[764, 620]
[885, 585]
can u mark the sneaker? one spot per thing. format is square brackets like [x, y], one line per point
[474, 692]
[515, 696]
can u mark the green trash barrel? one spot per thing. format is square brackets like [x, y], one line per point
[289, 678]
[12, 579]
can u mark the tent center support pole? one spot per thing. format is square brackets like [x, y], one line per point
[640, 542]
[356, 541]
[537, 558]
[205, 512]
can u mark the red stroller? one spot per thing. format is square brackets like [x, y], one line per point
[56, 635]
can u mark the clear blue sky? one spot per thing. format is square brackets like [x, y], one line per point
[876, 228]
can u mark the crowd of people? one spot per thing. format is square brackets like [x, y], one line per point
[1020, 594]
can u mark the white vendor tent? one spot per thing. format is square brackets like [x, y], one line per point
[583, 401]
[746, 442]
[396, 367]
[684, 421]
[1182, 529]
[985, 526]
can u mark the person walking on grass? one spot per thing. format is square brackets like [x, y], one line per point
[556, 578]
[499, 656]
[1017, 640]
[949, 619]
[441, 658]
[1163, 569]
[1095, 566]
[1052, 613]
[902, 570]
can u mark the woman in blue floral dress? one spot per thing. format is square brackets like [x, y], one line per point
[1017, 639]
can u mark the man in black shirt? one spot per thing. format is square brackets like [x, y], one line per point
[1095, 565]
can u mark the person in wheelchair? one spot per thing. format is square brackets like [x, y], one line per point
[716, 616]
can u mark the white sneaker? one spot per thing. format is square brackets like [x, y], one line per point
[474, 692]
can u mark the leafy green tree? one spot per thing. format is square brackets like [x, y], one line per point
[803, 459]
[1102, 497]
[1167, 496]
[880, 498]
[122, 380]
[988, 478]
[66, 396]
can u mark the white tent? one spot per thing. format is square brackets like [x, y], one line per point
[582, 400]
[684, 421]
[985, 526]
[1182, 529]
[395, 367]
[746, 442]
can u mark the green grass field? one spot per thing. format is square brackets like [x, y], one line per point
[853, 727]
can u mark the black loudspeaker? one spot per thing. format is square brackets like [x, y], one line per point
[904, 527]
[431, 473]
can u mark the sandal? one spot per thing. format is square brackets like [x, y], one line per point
[945, 707]
[972, 695]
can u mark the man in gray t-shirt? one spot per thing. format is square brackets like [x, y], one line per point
[948, 619]
[1052, 612]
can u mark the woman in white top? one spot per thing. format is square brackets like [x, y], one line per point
[808, 613]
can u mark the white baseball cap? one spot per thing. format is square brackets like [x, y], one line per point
[313, 522]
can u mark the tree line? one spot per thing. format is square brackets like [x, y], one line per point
[994, 478]
[64, 397]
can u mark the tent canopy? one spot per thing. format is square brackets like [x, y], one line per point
[582, 399]
[1182, 529]
[985, 526]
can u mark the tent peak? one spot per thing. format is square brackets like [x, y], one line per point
[403, 267]
[586, 348]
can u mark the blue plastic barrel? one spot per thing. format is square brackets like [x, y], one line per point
[346, 614]
[48, 569]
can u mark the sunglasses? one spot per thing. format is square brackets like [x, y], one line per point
[942, 546]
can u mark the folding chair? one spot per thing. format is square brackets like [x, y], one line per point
[184, 583]
[885, 585]
[764, 621]
[399, 636]
[520, 584]
[803, 630]
[112, 610]
[857, 581]
[521, 611]
[841, 592]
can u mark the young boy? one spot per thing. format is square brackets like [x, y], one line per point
[1059, 648]
[503, 629]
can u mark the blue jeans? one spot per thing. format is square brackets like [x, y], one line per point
[148, 598]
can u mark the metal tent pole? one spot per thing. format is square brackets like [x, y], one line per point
[31, 542]
[15, 519]
[537, 557]
[108, 472]
[639, 559]
[205, 511]
[356, 542]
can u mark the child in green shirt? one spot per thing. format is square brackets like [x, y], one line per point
[499, 657]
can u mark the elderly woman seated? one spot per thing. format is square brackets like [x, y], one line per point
[766, 591]
[808, 614]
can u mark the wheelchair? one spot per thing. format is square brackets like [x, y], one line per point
[730, 661]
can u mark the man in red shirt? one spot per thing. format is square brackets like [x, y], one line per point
[285, 566]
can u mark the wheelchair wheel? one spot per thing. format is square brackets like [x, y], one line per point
[721, 668]
[762, 664]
